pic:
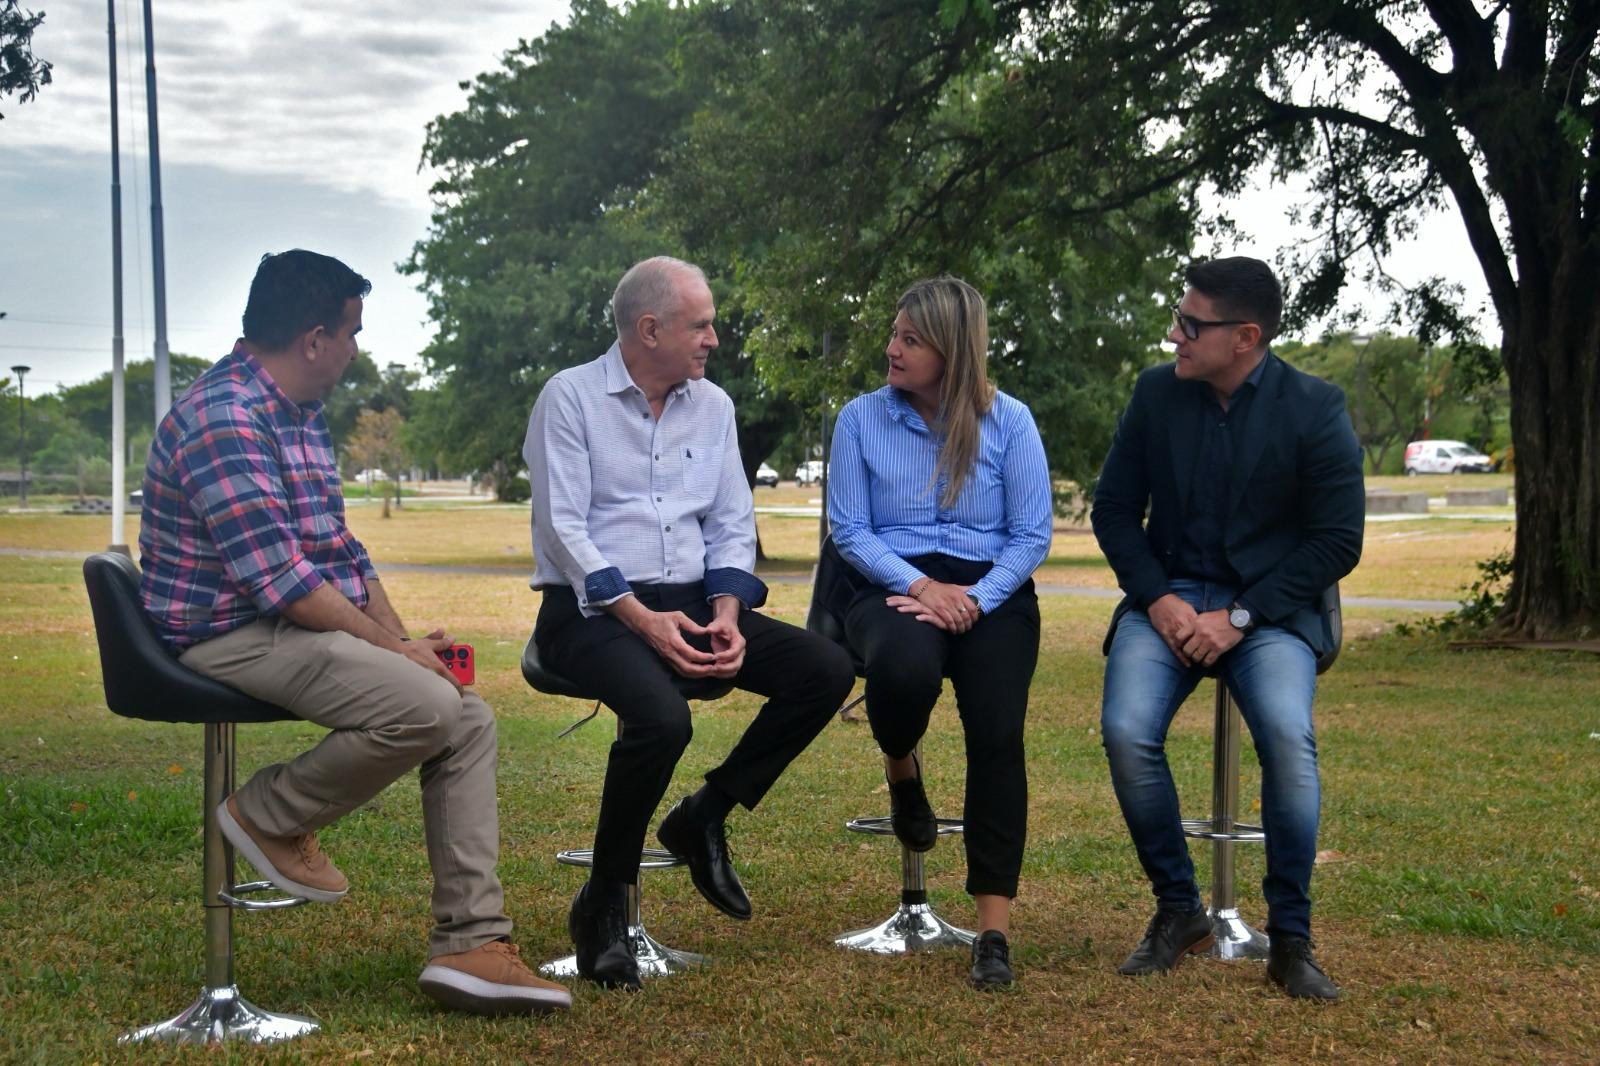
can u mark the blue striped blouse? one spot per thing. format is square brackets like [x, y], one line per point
[883, 496]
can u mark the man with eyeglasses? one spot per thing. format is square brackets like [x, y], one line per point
[1251, 476]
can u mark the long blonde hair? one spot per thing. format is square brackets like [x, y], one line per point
[951, 317]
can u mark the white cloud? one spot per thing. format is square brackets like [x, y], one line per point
[337, 93]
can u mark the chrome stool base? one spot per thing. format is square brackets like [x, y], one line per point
[1235, 937]
[222, 1014]
[913, 927]
[655, 959]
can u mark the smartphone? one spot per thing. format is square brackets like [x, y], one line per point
[457, 659]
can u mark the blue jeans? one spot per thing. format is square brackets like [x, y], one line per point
[1272, 676]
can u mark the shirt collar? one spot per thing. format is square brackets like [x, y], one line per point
[263, 378]
[618, 379]
[900, 409]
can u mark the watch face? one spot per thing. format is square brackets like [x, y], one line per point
[1239, 618]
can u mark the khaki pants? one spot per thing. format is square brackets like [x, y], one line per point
[387, 715]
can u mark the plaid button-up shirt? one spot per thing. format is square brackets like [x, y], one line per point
[243, 511]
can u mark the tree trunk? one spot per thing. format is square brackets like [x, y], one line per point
[1552, 360]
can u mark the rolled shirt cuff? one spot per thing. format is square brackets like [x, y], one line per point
[603, 587]
[293, 582]
[740, 584]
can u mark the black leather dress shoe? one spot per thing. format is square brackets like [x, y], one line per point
[910, 815]
[991, 961]
[1168, 938]
[1290, 965]
[705, 848]
[599, 931]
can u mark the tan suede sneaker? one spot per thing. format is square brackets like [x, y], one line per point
[490, 979]
[295, 864]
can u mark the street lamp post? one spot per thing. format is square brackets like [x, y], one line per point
[22, 436]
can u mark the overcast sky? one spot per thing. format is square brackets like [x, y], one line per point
[282, 124]
[285, 124]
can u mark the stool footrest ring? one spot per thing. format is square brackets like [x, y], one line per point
[882, 826]
[249, 888]
[1203, 829]
[649, 858]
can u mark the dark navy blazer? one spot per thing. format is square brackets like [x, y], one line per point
[1296, 508]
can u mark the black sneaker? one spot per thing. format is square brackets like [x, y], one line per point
[991, 961]
[910, 814]
[1169, 937]
[598, 925]
[1290, 965]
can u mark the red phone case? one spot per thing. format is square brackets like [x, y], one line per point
[458, 659]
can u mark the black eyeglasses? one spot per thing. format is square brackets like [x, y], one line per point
[1191, 326]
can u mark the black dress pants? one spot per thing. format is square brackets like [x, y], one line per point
[991, 667]
[804, 677]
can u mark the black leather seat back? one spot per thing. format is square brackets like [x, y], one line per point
[1333, 613]
[142, 679]
[831, 593]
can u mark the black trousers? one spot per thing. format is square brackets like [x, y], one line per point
[991, 667]
[804, 677]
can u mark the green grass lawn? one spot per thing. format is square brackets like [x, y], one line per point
[1457, 896]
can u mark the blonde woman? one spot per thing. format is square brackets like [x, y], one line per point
[939, 497]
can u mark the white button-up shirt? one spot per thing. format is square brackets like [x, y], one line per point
[622, 497]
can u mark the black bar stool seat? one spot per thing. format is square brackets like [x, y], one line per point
[142, 680]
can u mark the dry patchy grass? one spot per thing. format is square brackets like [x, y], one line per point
[1458, 902]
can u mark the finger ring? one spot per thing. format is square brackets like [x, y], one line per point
[963, 610]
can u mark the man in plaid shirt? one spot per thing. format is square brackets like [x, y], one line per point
[253, 578]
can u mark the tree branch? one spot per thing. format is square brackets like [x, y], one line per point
[1471, 37]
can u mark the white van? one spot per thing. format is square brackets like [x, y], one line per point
[1445, 457]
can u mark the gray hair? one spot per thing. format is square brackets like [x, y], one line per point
[650, 287]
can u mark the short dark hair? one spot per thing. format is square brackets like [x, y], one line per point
[1242, 288]
[297, 291]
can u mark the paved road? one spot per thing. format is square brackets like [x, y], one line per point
[1385, 602]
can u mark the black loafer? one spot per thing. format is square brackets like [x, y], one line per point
[599, 931]
[705, 848]
[1291, 967]
[1167, 939]
[910, 815]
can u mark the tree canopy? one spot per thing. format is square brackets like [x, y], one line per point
[1388, 109]
[746, 138]
[816, 155]
[22, 73]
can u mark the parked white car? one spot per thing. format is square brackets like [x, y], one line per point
[1445, 457]
[808, 472]
[767, 476]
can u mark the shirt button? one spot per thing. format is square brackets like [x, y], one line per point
[658, 499]
[669, 573]
[658, 457]
[669, 529]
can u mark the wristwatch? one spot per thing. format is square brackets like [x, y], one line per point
[1239, 617]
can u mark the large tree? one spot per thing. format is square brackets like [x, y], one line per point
[1389, 109]
[544, 202]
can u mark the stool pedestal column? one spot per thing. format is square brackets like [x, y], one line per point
[1235, 938]
[221, 1013]
[655, 959]
[913, 926]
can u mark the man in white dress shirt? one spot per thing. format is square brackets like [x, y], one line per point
[644, 538]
